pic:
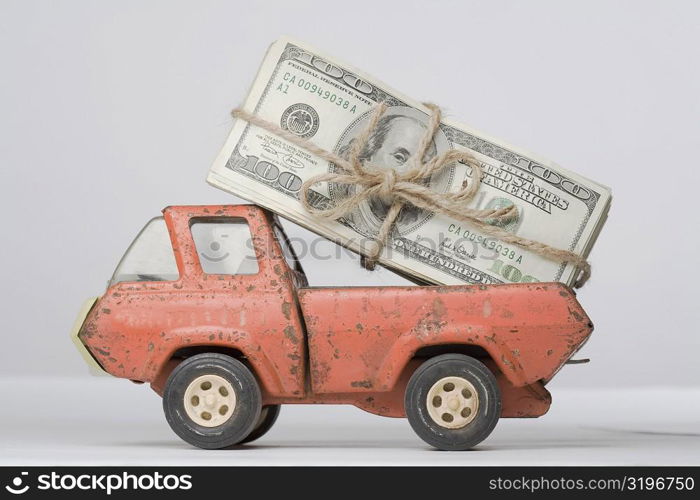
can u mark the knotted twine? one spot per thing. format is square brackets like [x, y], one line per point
[410, 187]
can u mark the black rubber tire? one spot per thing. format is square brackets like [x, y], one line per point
[268, 416]
[453, 365]
[244, 416]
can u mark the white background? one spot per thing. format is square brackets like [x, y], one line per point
[109, 111]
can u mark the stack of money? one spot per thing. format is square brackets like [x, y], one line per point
[329, 103]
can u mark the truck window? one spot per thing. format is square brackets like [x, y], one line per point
[225, 247]
[150, 256]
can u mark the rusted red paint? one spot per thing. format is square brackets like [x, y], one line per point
[149, 321]
[378, 329]
[362, 342]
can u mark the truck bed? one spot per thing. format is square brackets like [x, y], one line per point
[360, 338]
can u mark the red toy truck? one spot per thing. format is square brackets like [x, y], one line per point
[211, 307]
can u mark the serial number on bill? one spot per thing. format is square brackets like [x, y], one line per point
[291, 80]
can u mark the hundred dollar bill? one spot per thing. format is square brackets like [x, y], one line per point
[329, 102]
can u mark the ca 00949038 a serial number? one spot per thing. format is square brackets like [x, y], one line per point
[290, 80]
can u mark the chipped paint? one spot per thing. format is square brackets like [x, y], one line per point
[149, 321]
[361, 341]
[514, 324]
[287, 309]
[290, 333]
[366, 384]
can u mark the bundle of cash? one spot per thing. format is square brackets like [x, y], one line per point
[329, 103]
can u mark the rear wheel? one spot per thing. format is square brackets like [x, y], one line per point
[268, 416]
[453, 402]
[212, 401]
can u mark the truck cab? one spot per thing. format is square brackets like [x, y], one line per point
[211, 307]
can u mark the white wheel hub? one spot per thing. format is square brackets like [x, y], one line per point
[452, 402]
[209, 400]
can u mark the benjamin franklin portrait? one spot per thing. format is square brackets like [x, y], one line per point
[392, 143]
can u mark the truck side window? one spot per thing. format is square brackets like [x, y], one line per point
[150, 256]
[225, 247]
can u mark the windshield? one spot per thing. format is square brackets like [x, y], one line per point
[150, 256]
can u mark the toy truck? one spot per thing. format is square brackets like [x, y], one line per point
[211, 307]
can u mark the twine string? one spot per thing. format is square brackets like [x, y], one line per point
[410, 187]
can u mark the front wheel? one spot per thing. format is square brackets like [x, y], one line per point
[212, 401]
[453, 402]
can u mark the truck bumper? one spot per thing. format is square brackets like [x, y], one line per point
[93, 365]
